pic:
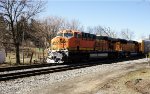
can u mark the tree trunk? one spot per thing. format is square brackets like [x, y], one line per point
[31, 58]
[17, 54]
[43, 54]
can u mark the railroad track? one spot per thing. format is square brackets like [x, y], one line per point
[28, 73]
[21, 67]
[49, 69]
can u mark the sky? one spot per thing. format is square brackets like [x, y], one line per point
[116, 14]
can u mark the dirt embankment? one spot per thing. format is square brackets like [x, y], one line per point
[134, 82]
[121, 79]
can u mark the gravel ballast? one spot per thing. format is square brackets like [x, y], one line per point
[28, 84]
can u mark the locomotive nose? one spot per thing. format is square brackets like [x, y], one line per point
[62, 40]
[59, 43]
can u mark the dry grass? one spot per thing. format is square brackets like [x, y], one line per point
[37, 56]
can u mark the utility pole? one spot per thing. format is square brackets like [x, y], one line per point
[23, 47]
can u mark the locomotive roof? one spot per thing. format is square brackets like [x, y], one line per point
[102, 37]
[112, 39]
[126, 41]
[131, 41]
[121, 40]
[67, 31]
[106, 38]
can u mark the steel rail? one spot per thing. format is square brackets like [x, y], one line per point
[28, 73]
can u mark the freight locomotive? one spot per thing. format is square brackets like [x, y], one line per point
[72, 45]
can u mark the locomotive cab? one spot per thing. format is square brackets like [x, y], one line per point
[61, 41]
[64, 42]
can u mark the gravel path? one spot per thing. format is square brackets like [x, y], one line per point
[29, 84]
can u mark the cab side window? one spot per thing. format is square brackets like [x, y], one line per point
[78, 36]
[75, 35]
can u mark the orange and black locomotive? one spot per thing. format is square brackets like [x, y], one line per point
[72, 45]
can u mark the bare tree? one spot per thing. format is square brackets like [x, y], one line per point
[127, 34]
[90, 30]
[37, 33]
[13, 11]
[109, 32]
[2, 30]
[38, 30]
[52, 24]
[102, 31]
[74, 24]
[99, 30]
[4, 36]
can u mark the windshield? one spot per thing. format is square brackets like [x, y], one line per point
[68, 35]
[60, 34]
